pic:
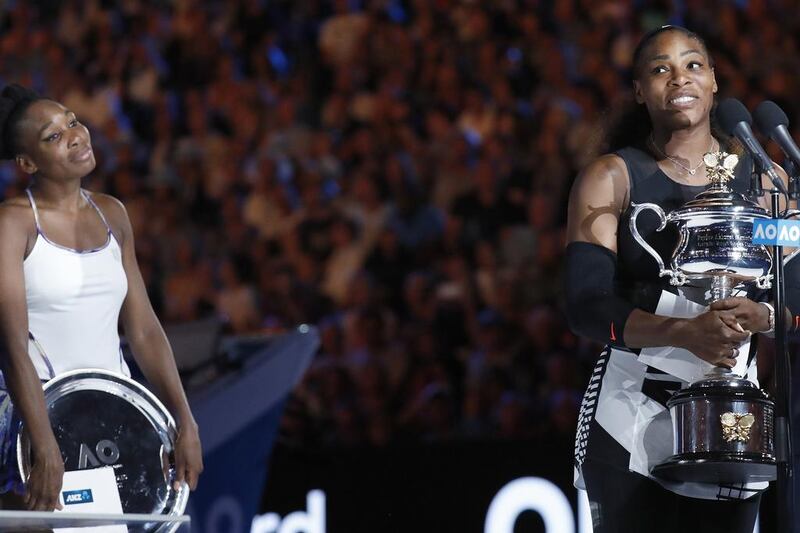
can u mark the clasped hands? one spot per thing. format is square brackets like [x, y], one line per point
[717, 334]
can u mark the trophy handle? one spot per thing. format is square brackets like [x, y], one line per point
[676, 277]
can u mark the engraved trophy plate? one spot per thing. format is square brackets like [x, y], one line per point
[722, 424]
[101, 418]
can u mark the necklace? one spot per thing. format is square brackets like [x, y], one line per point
[691, 171]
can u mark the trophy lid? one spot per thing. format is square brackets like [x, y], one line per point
[723, 377]
[719, 197]
[719, 382]
[723, 200]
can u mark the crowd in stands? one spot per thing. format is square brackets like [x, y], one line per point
[393, 171]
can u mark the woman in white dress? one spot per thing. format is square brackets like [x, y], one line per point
[69, 275]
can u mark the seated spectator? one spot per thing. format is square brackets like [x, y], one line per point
[393, 172]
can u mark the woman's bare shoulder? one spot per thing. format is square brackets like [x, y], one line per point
[112, 208]
[605, 179]
[608, 167]
[106, 200]
[16, 219]
[597, 200]
[116, 214]
[16, 210]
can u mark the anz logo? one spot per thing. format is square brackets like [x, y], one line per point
[71, 497]
[106, 452]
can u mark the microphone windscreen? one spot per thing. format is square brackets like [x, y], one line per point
[731, 112]
[769, 116]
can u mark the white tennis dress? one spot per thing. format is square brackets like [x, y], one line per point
[74, 299]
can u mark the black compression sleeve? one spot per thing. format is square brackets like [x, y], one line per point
[594, 309]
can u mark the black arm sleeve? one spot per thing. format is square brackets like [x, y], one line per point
[593, 307]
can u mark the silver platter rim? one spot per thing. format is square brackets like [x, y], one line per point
[152, 409]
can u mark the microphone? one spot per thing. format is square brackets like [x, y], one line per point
[735, 120]
[773, 122]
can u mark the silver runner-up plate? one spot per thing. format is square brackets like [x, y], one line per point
[102, 418]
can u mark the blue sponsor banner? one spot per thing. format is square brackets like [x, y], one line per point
[776, 232]
[71, 497]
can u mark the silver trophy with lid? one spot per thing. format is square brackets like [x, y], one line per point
[722, 424]
[715, 230]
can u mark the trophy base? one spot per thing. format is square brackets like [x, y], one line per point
[718, 467]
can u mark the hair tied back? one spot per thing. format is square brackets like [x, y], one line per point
[14, 99]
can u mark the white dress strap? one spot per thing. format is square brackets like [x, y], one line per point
[96, 208]
[35, 210]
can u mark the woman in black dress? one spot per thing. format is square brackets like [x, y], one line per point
[615, 296]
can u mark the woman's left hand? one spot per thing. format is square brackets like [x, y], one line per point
[188, 456]
[752, 316]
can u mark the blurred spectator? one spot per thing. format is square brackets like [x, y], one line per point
[395, 172]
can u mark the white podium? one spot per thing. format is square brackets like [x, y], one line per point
[41, 520]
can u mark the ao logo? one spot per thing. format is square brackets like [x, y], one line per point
[105, 451]
[780, 232]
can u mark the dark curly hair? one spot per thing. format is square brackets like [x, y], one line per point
[631, 125]
[14, 101]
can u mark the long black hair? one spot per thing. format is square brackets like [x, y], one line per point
[630, 125]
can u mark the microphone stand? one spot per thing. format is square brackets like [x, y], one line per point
[784, 486]
[783, 430]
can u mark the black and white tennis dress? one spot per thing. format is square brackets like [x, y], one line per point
[623, 419]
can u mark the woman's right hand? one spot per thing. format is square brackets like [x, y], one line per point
[714, 336]
[44, 482]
